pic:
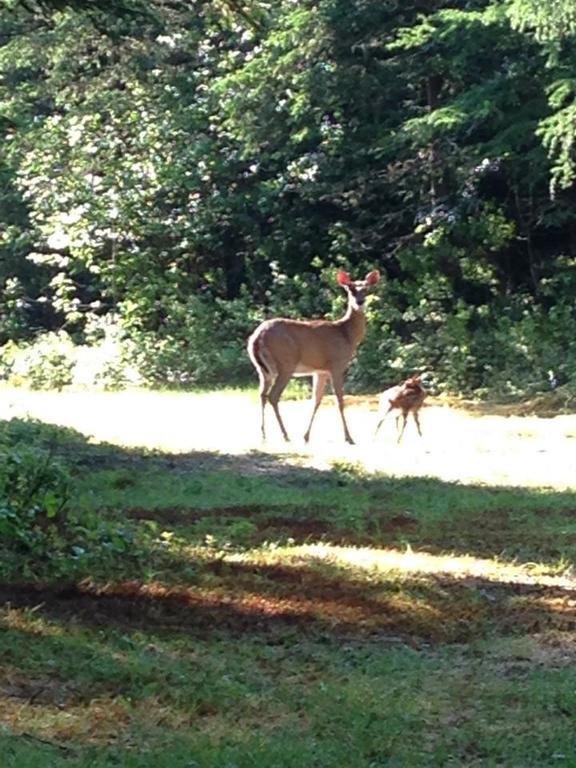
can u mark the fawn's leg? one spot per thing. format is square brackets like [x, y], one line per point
[404, 419]
[382, 420]
[417, 420]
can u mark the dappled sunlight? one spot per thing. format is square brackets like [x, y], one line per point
[334, 590]
[380, 563]
[32, 621]
[265, 599]
[555, 604]
[59, 681]
[271, 548]
[55, 715]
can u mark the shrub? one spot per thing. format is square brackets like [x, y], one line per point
[34, 489]
[108, 358]
[201, 343]
[508, 348]
[46, 363]
[53, 361]
[41, 531]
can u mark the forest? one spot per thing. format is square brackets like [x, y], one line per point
[174, 171]
[179, 589]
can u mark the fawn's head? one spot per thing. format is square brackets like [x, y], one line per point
[357, 290]
[413, 382]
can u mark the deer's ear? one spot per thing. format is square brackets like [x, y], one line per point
[373, 277]
[343, 278]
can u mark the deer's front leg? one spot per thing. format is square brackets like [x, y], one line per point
[338, 385]
[318, 386]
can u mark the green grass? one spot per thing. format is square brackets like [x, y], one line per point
[292, 617]
[285, 700]
[528, 525]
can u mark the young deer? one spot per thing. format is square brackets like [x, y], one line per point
[282, 348]
[407, 397]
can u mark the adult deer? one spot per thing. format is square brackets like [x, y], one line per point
[282, 348]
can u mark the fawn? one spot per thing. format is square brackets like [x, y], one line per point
[407, 397]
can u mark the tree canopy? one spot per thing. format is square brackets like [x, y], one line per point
[183, 169]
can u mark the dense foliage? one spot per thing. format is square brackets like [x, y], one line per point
[42, 529]
[173, 172]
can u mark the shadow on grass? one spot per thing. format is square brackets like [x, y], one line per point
[272, 599]
[344, 506]
[173, 648]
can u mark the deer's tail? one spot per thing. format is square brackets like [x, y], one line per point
[260, 356]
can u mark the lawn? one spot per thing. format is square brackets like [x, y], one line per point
[320, 605]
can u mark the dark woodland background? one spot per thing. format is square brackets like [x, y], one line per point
[173, 172]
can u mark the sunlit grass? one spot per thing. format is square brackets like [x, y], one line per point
[371, 563]
[457, 444]
[320, 607]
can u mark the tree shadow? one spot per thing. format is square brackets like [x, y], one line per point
[116, 626]
[343, 505]
[268, 600]
[217, 593]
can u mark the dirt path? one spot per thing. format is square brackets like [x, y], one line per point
[457, 446]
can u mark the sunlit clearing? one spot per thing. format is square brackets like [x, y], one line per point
[393, 561]
[455, 445]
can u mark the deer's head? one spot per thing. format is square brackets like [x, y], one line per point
[357, 290]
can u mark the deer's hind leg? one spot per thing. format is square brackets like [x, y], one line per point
[273, 396]
[266, 382]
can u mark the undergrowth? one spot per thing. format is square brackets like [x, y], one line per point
[43, 530]
[156, 613]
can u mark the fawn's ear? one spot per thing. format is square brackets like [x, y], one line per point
[343, 278]
[373, 277]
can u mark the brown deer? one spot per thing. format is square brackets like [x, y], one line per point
[281, 348]
[407, 397]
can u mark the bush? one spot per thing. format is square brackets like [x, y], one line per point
[53, 361]
[41, 531]
[506, 351]
[34, 489]
[46, 363]
[508, 348]
[201, 343]
[108, 358]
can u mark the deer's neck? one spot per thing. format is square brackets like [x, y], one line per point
[353, 324]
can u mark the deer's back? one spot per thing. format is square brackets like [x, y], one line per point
[304, 346]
